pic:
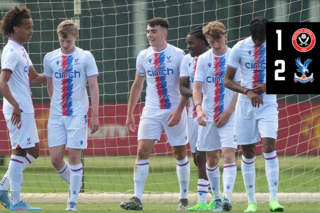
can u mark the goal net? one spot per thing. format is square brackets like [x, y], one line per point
[115, 31]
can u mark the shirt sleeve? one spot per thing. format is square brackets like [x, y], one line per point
[47, 71]
[180, 58]
[234, 57]
[29, 61]
[91, 66]
[9, 60]
[140, 71]
[199, 75]
[184, 67]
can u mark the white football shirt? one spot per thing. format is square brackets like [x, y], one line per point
[210, 71]
[15, 58]
[162, 71]
[188, 70]
[69, 73]
[252, 62]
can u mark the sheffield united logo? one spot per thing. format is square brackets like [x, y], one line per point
[303, 40]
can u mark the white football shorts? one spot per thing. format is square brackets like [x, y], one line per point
[71, 131]
[24, 135]
[153, 121]
[250, 121]
[193, 133]
[212, 138]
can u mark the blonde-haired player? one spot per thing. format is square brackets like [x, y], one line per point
[67, 70]
[216, 117]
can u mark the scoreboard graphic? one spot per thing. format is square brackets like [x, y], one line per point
[292, 58]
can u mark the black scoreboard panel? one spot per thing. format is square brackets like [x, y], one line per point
[293, 55]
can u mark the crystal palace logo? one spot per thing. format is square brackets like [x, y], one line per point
[303, 40]
[303, 69]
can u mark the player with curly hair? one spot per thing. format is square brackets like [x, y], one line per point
[17, 72]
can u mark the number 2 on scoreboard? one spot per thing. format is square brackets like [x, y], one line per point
[281, 70]
[279, 62]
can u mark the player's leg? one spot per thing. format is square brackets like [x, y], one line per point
[61, 166]
[229, 176]
[75, 177]
[268, 127]
[77, 134]
[32, 154]
[57, 140]
[229, 162]
[193, 137]
[150, 128]
[206, 144]
[247, 135]
[183, 173]
[22, 138]
[177, 137]
[141, 170]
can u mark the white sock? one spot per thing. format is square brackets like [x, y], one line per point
[213, 175]
[210, 190]
[202, 190]
[75, 181]
[15, 177]
[5, 182]
[65, 172]
[249, 177]
[183, 172]
[229, 177]
[141, 170]
[272, 172]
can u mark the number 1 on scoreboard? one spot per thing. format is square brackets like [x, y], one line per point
[279, 39]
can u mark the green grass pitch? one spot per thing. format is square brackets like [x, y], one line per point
[168, 208]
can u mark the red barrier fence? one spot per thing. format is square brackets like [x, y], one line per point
[299, 131]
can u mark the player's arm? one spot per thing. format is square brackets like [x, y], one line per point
[47, 73]
[5, 90]
[94, 93]
[197, 98]
[184, 87]
[36, 78]
[50, 87]
[135, 93]
[256, 100]
[230, 84]
[175, 116]
[184, 78]
[225, 116]
[259, 88]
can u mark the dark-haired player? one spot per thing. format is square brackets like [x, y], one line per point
[17, 72]
[197, 44]
[164, 109]
[256, 112]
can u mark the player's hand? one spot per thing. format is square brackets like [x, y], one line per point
[256, 100]
[130, 123]
[16, 115]
[259, 88]
[222, 119]
[200, 117]
[175, 117]
[94, 124]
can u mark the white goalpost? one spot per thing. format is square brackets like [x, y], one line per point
[115, 32]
